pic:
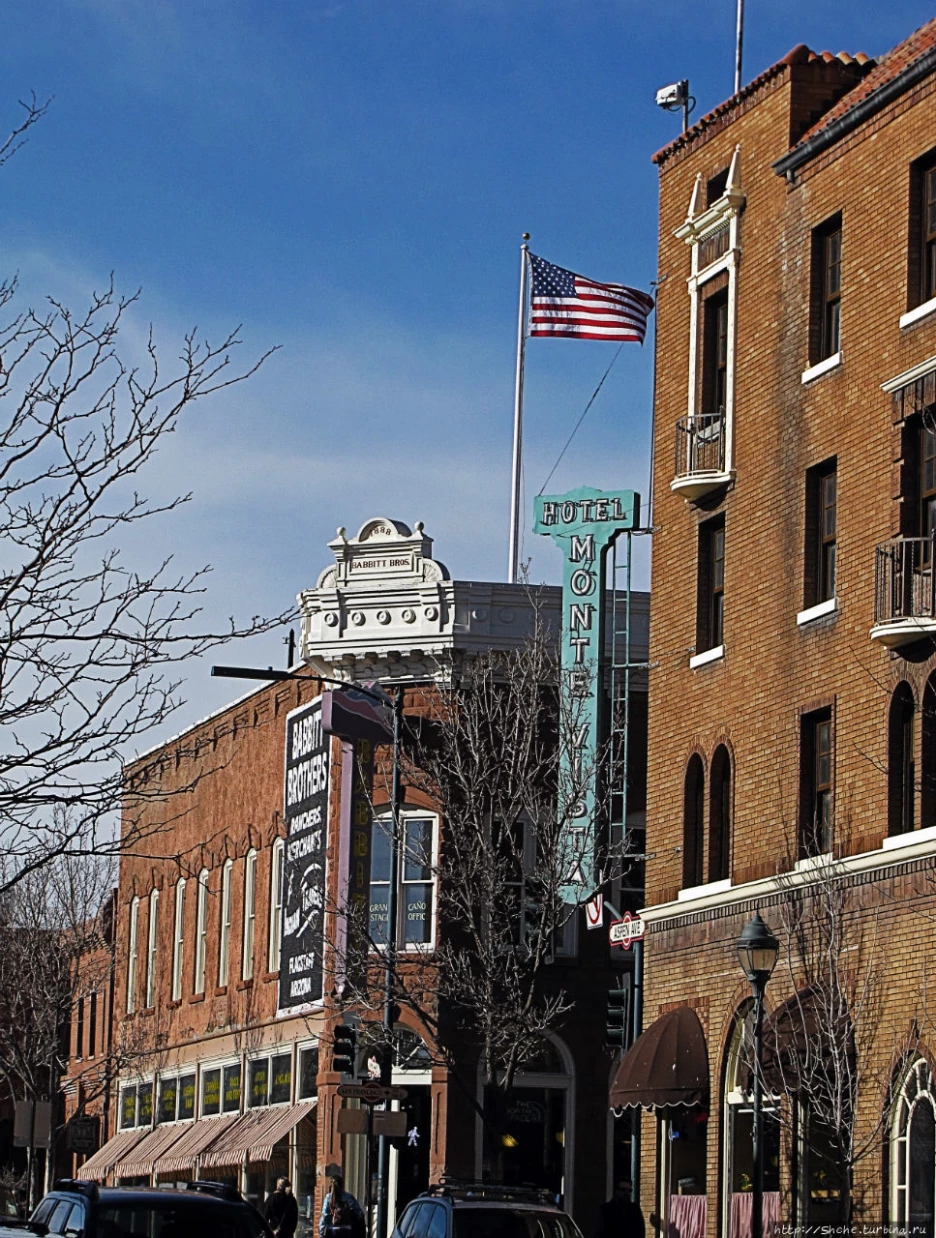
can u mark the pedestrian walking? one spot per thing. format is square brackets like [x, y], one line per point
[341, 1213]
[620, 1216]
[281, 1211]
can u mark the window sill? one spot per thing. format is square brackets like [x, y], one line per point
[270, 975]
[828, 607]
[918, 313]
[712, 887]
[174, 1004]
[709, 655]
[221, 990]
[821, 367]
[196, 997]
[244, 984]
[812, 862]
[908, 839]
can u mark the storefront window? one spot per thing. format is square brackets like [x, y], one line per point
[145, 1105]
[415, 892]
[738, 1130]
[281, 1079]
[308, 1070]
[211, 1092]
[187, 1096]
[259, 1082]
[232, 1088]
[168, 1093]
[128, 1108]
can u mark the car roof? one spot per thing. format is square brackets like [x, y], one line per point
[116, 1194]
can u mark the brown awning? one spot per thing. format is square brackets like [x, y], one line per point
[665, 1066]
[199, 1136]
[804, 1037]
[141, 1159]
[98, 1166]
[254, 1135]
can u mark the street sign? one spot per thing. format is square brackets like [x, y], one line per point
[352, 1121]
[391, 1124]
[81, 1135]
[594, 911]
[629, 928]
[371, 1093]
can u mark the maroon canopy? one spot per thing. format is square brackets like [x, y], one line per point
[667, 1065]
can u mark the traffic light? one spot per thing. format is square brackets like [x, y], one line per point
[617, 1026]
[344, 1049]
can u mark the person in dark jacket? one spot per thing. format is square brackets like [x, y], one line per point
[281, 1212]
[341, 1212]
[621, 1217]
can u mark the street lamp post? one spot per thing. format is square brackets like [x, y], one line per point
[757, 953]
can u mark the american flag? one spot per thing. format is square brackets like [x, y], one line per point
[563, 303]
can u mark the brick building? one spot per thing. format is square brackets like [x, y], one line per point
[222, 1073]
[792, 751]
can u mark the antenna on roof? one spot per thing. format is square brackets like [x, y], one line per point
[670, 98]
[739, 41]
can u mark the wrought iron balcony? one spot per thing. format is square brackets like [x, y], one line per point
[904, 590]
[700, 455]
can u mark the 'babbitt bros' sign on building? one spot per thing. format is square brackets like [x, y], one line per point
[584, 524]
[308, 763]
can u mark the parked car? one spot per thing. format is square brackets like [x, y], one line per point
[480, 1210]
[76, 1209]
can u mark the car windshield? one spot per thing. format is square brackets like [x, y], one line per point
[155, 1219]
[509, 1222]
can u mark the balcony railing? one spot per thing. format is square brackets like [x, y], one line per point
[904, 589]
[700, 453]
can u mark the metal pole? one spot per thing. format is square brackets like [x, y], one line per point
[637, 1027]
[513, 566]
[739, 41]
[757, 1201]
[386, 1064]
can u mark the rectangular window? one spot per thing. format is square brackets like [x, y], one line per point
[211, 1091]
[151, 949]
[178, 940]
[79, 1029]
[308, 1073]
[132, 950]
[128, 1108]
[821, 523]
[415, 886]
[186, 1097]
[145, 1104]
[826, 292]
[201, 931]
[259, 1082]
[710, 610]
[276, 905]
[168, 1099]
[817, 769]
[281, 1079]
[921, 273]
[224, 944]
[928, 238]
[232, 1089]
[92, 1025]
[250, 914]
[715, 355]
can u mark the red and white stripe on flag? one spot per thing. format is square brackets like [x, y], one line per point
[563, 303]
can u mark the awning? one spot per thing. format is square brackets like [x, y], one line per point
[805, 1037]
[667, 1065]
[254, 1135]
[142, 1158]
[199, 1136]
[98, 1166]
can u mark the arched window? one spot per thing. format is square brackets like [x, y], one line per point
[901, 768]
[693, 812]
[224, 945]
[250, 914]
[151, 941]
[276, 905]
[132, 952]
[928, 755]
[178, 939]
[720, 816]
[913, 1151]
[201, 931]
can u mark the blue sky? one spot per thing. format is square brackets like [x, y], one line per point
[349, 179]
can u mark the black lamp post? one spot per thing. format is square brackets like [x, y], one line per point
[757, 953]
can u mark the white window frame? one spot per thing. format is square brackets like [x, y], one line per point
[918, 1079]
[201, 932]
[275, 941]
[132, 953]
[224, 939]
[178, 940]
[250, 914]
[151, 929]
[383, 822]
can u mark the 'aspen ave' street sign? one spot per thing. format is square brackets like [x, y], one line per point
[584, 524]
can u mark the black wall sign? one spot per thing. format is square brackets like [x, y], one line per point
[308, 771]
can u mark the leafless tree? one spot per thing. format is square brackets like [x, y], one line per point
[90, 644]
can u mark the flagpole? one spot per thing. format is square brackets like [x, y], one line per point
[513, 567]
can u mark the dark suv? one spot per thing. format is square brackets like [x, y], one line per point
[75, 1209]
[480, 1210]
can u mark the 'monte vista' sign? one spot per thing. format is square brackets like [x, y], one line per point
[583, 524]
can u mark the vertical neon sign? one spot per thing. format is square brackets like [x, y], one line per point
[584, 524]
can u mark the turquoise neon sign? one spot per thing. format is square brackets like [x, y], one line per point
[584, 524]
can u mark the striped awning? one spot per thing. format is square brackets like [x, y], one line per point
[98, 1166]
[254, 1135]
[142, 1158]
[196, 1140]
